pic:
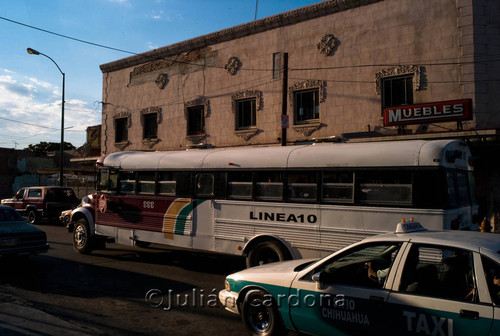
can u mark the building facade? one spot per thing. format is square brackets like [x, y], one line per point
[365, 70]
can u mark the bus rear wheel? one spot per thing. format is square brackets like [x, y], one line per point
[266, 252]
[82, 242]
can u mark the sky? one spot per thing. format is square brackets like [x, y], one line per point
[79, 36]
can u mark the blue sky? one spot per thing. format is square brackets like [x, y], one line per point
[31, 86]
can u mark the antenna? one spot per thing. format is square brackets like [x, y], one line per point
[256, 6]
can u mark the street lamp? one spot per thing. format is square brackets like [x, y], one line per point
[61, 164]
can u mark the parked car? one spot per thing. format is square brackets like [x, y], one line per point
[42, 203]
[18, 237]
[410, 282]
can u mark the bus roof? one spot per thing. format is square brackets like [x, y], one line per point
[448, 153]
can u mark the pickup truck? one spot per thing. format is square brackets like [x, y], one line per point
[42, 203]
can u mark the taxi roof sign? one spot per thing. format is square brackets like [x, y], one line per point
[411, 226]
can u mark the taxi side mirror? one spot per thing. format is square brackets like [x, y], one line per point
[316, 277]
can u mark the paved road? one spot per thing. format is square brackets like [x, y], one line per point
[105, 293]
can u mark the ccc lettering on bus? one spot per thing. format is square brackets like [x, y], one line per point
[148, 204]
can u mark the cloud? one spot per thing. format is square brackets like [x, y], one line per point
[26, 103]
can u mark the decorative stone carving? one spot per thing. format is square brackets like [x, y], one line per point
[196, 138]
[149, 110]
[246, 134]
[121, 112]
[122, 145]
[308, 84]
[161, 81]
[327, 44]
[248, 94]
[233, 65]
[307, 130]
[399, 70]
[150, 142]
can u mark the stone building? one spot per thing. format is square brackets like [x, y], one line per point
[365, 70]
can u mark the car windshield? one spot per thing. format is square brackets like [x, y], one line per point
[9, 215]
[61, 195]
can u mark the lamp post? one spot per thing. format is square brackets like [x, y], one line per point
[61, 164]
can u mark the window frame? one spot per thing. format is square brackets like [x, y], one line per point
[150, 125]
[408, 88]
[315, 102]
[121, 129]
[252, 112]
[200, 129]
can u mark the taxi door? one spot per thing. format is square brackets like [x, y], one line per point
[456, 306]
[338, 297]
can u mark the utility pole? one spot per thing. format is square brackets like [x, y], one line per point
[284, 90]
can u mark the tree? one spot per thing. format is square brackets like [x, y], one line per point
[43, 147]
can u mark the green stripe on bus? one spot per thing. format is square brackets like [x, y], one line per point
[180, 223]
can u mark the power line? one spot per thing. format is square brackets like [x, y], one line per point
[67, 37]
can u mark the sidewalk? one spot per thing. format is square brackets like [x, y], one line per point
[19, 318]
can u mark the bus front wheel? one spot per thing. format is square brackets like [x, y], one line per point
[265, 252]
[82, 241]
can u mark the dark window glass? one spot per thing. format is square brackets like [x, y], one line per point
[204, 185]
[196, 120]
[338, 187]
[269, 186]
[439, 271]
[245, 112]
[166, 183]
[127, 182]
[150, 130]
[239, 185]
[391, 187]
[146, 183]
[121, 129]
[306, 104]
[397, 91]
[366, 265]
[302, 187]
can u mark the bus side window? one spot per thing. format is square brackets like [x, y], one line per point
[302, 187]
[338, 187]
[183, 184]
[385, 187]
[146, 183]
[204, 185]
[127, 182]
[269, 186]
[108, 180]
[239, 185]
[166, 184]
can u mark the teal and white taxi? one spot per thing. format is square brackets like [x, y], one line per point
[410, 282]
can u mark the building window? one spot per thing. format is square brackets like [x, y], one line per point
[150, 126]
[196, 120]
[397, 91]
[245, 113]
[121, 129]
[306, 106]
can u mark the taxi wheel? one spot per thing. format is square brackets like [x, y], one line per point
[82, 241]
[260, 314]
[266, 252]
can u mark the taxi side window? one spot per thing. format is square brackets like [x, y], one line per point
[366, 265]
[440, 272]
[492, 273]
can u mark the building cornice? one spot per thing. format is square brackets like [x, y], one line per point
[279, 20]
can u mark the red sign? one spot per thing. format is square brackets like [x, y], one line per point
[452, 110]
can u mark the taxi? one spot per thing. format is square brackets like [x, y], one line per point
[410, 282]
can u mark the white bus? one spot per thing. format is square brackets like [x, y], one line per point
[276, 203]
